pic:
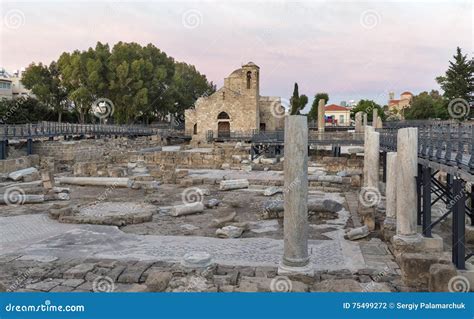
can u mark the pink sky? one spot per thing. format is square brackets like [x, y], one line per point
[350, 49]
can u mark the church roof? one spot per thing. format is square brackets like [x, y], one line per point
[251, 64]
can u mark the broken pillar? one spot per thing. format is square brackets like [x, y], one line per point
[295, 224]
[358, 122]
[375, 114]
[233, 184]
[187, 209]
[321, 114]
[95, 181]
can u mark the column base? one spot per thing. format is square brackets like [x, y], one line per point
[407, 244]
[389, 228]
[367, 215]
[289, 270]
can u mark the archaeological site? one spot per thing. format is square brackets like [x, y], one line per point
[376, 207]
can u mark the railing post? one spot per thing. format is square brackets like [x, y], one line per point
[419, 187]
[471, 160]
[426, 201]
[384, 166]
[459, 211]
[449, 147]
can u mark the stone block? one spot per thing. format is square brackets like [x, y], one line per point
[79, 271]
[440, 276]
[158, 281]
[415, 267]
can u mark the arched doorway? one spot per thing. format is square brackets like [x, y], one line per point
[223, 125]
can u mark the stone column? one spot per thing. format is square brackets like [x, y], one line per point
[375, 114]
[370, 195]
[358, 122]
[373, 160]
[379, 122]
[389, 224]
[367, 130]
[295, 224]
[391, 187]
[321, 111]
[364, 122]
[407, 159]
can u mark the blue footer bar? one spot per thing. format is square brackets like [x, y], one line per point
[237, 305]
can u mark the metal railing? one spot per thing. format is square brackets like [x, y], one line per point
[278, 137]
[446, 143]
[52, 129]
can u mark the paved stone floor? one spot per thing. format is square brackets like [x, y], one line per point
[41, 254]
[47, 238]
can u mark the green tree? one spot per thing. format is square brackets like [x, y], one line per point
[142, 82]
[45, 83]
[427, 106]
[75, 77]
[23, 110]
[458, 81]
[187, 86]
[294, 101]
[313, 113]
[367, 106]
[297, 102]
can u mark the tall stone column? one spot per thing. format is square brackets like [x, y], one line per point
[373, 160]
[370, 195]
[391, 186]
[375, 114]
[364, 122]
[407, 159]
[358, 122]
[367, 130]
[389, 224]
[321, 111]
[295, 225]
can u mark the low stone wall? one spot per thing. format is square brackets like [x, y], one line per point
[68, 153]
[352, 164]
[11, 165]
[196, 158]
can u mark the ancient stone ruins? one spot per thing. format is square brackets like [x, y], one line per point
[304, 210]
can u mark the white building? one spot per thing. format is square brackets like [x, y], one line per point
[6, 91]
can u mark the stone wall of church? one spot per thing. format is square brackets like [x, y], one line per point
[272, 113]
[236, 98]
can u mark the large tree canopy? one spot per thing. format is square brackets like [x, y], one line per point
[427, 105]
[142, 82]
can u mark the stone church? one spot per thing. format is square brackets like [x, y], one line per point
[236, 107]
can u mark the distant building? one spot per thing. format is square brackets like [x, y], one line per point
[18, 90]
[398, 105]
[6, 91]
[11, 86]
[340, 115]
[351, 103]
